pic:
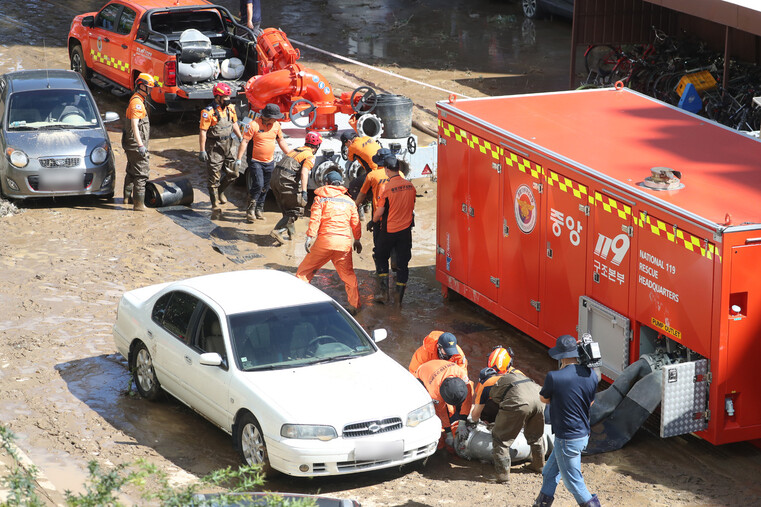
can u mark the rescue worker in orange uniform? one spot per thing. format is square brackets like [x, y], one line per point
[218, 122]
[395, 216]
[263, 133]
[373, 183]
[362, 150]
[438, 345]
[135, 136]
[520, 408]
[334, 227]
[451, 391]
[289, 185]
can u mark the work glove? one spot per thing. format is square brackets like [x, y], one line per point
[142, 150]
[357, 246]
[203, 156]
[302, 198]
[370, 226]
[237, 164]
[309, 242]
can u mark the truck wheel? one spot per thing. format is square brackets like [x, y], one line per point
[78, 64]
[142, 371]
[250, 441]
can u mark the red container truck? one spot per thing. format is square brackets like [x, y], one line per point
[606, 211]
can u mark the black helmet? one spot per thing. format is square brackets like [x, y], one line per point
[348, 135]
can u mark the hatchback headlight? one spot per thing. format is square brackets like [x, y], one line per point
[308, 432]
[421, 414]
[99, 154]
[17, 157]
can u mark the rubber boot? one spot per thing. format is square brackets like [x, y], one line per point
[279, 235]
[291, 230]
[400, 288]
[381, 288]
[226, 180]
[258, 213]
[216, 211]
[250, 207]
[594, 502]
[537, 457]
[138, 199]
[128, 193]
[543, 500]
[501, 465]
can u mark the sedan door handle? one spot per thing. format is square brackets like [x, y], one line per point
[188, 360]
[149, 333]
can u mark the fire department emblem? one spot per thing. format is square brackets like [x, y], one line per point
[100, 45]
[525, 209]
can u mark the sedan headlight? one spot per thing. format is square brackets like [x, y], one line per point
[17, 157]
[99, 154]
[421, 414]
[308, 432]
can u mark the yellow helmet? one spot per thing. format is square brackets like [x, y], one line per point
[500, 359]
[144, 79]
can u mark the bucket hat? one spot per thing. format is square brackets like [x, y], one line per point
[272, 111]
[565, 346]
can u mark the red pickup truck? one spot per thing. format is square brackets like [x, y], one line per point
[188, 46]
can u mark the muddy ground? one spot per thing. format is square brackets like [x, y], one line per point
[65, 263]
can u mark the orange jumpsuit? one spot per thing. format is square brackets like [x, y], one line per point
[432, 374]
[335, 222]
[428, 351]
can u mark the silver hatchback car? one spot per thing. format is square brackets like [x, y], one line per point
[52, 138]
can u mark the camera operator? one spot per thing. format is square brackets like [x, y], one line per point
[570, 391]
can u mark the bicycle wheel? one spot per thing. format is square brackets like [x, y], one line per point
[601, 59]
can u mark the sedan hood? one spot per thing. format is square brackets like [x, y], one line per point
[56, 143]
[365, 388]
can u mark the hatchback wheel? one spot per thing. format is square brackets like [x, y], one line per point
[531, 8]
[144, 374]
[250, 440]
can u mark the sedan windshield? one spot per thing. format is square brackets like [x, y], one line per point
[296, 336]
[51, 109]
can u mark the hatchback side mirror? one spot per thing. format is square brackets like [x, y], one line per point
[110, 116]
[379, 335]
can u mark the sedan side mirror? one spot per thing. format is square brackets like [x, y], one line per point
[379, 335]
[212, 359]
[110, 116]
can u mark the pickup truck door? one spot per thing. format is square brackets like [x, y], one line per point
[110, 39]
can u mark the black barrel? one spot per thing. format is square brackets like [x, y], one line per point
[395, 111]
[168, 192]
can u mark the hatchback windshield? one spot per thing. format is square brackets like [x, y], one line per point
[50, 109]
[295, 336]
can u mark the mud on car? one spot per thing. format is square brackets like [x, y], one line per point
[53, 137]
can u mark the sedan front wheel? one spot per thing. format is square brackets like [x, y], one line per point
[250, 440]
[144, 374]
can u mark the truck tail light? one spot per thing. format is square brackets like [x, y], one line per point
[170, 73]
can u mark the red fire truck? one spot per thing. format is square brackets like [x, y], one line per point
[608, 212]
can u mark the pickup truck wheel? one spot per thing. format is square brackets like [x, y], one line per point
[78, 64]
[251, 445]
[142, 371]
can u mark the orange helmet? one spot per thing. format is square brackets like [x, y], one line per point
[501, 359]
[222, 89]
[144, 79]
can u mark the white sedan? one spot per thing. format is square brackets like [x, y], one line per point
[281, 367]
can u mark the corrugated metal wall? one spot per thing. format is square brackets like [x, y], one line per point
[620, 21]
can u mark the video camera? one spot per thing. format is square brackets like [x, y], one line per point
[589, 352]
